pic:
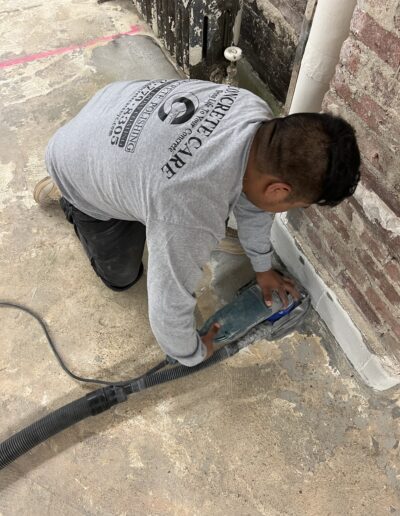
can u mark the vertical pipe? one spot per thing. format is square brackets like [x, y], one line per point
[301, 46]
[330, 28]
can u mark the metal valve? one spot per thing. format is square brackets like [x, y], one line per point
[232, 54]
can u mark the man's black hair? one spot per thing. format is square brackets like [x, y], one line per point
[316, 154]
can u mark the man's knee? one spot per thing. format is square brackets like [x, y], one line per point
[120, 281]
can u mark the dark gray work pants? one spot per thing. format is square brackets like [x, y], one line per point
[114, 247]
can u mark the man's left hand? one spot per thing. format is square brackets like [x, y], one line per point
[273, 280]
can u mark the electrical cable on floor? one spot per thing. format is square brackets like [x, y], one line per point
[61, 361]
[95, 402]
[113, 393]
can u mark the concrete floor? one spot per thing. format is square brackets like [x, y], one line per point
[282, 428]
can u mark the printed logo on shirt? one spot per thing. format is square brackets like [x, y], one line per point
[200, 119]
[130, 121]
[200, 129]
[178, 109]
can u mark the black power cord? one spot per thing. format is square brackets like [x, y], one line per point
[95, 402]
[61, 361]
[112, 393]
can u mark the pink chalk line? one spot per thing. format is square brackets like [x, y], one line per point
[63, 50]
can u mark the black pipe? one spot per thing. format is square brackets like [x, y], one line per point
[94, 403]
[60, 419]
[180, 371]
[102, 399]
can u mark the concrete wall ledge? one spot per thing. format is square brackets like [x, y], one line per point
[325, 302]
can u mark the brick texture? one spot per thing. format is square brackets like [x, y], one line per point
[357, 257]
[384, 43]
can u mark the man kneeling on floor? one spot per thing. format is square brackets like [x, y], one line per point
[168, 161]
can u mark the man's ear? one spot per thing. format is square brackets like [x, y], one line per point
[278, 191]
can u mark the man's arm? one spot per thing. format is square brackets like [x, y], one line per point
[176, 258]
[254, 230]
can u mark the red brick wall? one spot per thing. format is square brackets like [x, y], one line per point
[357, 257]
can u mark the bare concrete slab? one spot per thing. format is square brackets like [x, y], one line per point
[282, 428]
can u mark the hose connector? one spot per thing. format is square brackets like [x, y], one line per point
[103, 399]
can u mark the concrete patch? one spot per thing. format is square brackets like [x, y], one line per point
[6, 176]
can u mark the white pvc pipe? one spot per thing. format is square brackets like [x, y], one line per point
[330, 27]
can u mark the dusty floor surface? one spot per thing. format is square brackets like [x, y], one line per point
[282, 428]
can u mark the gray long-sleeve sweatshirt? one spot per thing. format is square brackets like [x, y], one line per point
[172, 155]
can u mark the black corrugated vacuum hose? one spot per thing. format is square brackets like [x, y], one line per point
[96, 402]
[34, 434]
[116, 392]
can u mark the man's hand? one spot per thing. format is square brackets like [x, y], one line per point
[273, 280]
[208, 339]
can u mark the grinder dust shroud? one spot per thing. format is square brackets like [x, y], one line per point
[243, 321]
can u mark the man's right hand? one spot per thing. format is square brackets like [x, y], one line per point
[208, 339]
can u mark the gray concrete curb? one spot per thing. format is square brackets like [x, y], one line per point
[350, 339]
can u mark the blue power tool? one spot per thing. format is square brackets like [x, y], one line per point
[249, 310]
